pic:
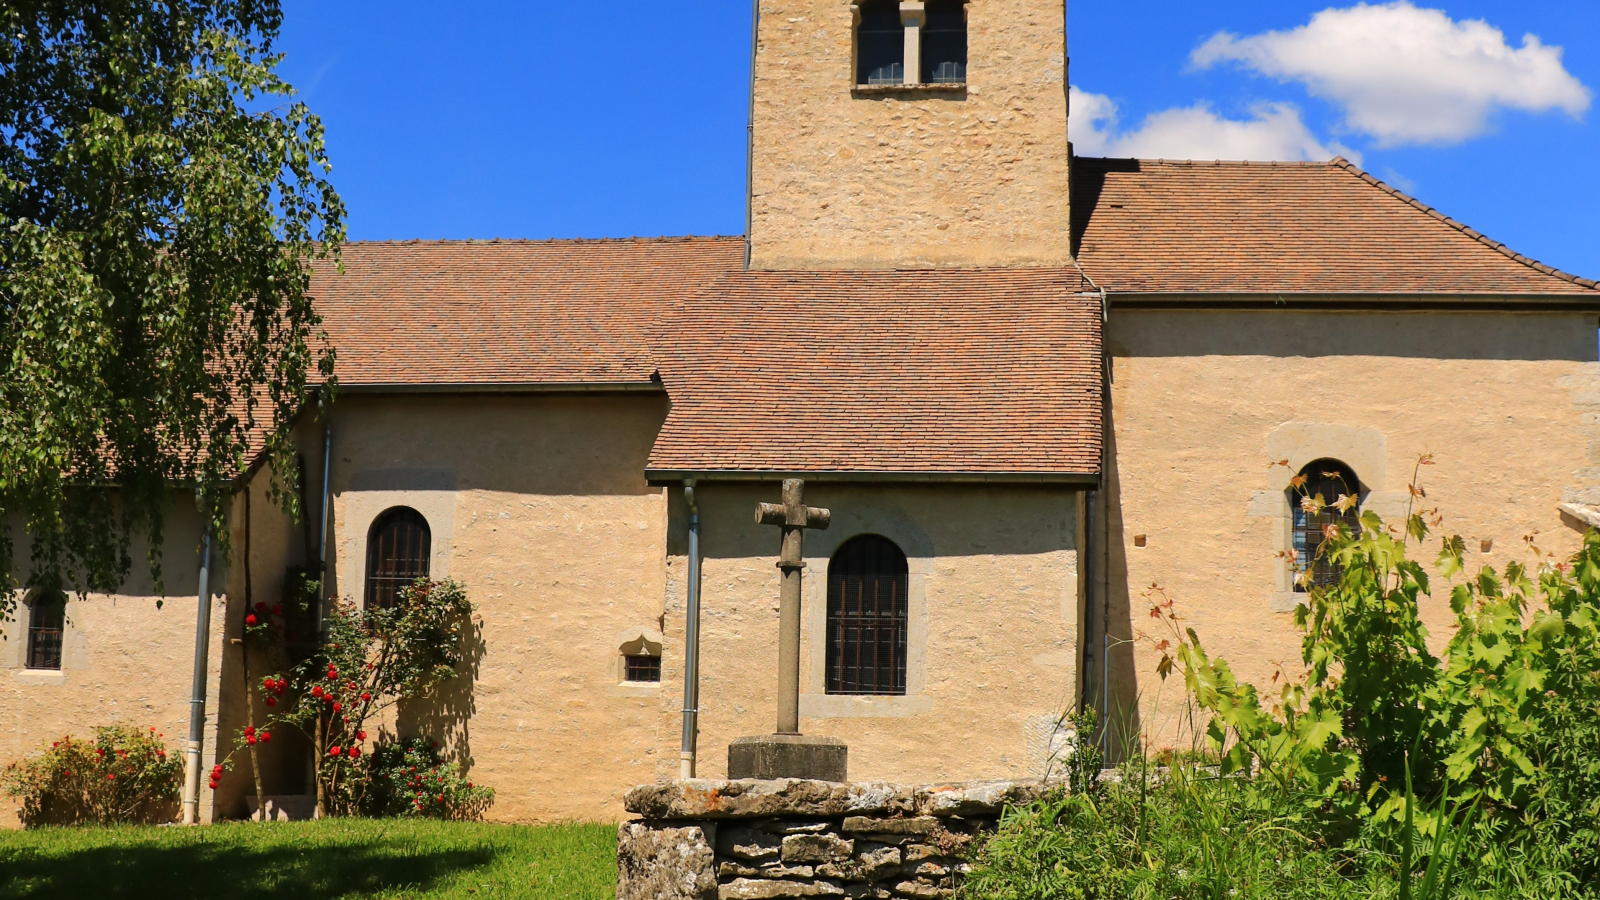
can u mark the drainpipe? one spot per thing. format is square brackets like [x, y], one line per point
[691, 641]
[749, 141]
[197, 695]
[322, 551]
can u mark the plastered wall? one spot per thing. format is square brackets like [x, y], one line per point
[849, 178]
[1203, 403]
[538, 505]
[993, 628]
[124, 661]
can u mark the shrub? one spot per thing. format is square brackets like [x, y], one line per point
[408, 778]
[123, 775]
[370, 660]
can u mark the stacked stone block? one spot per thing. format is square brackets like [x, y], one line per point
[749, 840]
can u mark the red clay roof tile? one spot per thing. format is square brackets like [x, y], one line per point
[518, 312]
[978, 371]
[1155, 226]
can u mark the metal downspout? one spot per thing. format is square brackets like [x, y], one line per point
[322, 545]
[691, 641]
[197, 694]
[750, 131]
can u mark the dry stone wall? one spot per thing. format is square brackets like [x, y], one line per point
[747, 839]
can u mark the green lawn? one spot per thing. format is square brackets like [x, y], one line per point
[334, 858]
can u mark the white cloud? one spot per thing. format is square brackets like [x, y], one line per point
[1274, 132]
[1407, 75]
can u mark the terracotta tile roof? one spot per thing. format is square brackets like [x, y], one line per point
[508, 312]
[1143, 226]
[979, 372]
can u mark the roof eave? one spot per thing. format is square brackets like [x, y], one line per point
[668, 477]
[1356, 300]
[503, 387]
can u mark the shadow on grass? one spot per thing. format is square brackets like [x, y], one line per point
[238, 873]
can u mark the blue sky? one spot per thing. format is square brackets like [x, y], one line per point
[543, 119]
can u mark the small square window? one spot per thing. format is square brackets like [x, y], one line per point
[640, 668]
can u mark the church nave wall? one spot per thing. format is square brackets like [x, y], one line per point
[538, 505]
[1203, 403]
[992, 618]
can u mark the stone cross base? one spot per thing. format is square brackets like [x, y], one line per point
[802, 756]
[747, 839]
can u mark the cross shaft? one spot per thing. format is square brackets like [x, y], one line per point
[794, 517]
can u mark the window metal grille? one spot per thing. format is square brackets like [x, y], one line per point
[867, 614]
[944, 43]
[47, 620]
[397, 555]
[880, 44]
[1328, 480]
[641, 668]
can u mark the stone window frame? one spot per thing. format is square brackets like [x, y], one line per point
[815, 701]
[1362, 450]
[355, 511]
[17, 658]
[640, 641]
[913, 16]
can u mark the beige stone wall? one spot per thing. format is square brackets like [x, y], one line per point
[845, 178]
[992, 655]
[1204, 402]
[124, 661]
[538, 505]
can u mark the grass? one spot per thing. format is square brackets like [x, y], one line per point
[321, 860]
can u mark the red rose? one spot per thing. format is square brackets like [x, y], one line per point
[110, 777]
[361, 735]
[469, 785]
[249, 739]
[277, 610]
[272, 701]
[66, 774]
[249, 620]
[266, 736]
[334, 750]
[249, 729]
[316, 691]
[365, 697]
[338, 706]
[441, 798]
[261, 607]
[354, 752]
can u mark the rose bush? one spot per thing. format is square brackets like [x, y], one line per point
[408, 778]
[122, 775]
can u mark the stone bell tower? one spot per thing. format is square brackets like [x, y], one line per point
[909, 134]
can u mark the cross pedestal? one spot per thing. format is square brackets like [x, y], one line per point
[788, 753]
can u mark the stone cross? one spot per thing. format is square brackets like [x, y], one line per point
[794, 516]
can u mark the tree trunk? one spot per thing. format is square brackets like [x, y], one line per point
[250, 705]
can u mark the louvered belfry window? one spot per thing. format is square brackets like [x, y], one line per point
[397, 555]
[47, 622]
[867, 615]
[1328, 479]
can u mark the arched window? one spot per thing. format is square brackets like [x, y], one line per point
[880, 44]
[867, 613]
[397, 554]
[944, 43]
[1327, 480]
[47, 622]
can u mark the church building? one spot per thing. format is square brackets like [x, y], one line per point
[1029, 387]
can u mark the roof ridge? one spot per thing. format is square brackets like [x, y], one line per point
[1339, 162]
[659, 239]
